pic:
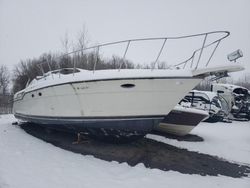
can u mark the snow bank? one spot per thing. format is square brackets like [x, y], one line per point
[230, 141]
[26, 161]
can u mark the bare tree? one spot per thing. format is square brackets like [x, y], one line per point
[5, 97]
[244, 81]
[4, 79]
[82, 38]
[65, 43]
[65, 59]
[82, 42]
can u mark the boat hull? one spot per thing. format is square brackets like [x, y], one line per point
[124, 104]
[141, 125]
[181, 121]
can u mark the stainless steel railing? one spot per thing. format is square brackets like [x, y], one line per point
[191, 60]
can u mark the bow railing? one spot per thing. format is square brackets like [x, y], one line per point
[193, 61]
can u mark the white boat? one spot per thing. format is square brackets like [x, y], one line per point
[181, 120]
[110, 101]
[127, 100]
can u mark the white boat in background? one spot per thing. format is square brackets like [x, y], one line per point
[215, 105]
[181, 120]
[120, 102]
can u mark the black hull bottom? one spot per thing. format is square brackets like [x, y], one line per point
[101, 128]
[180, 122]
[183, 118]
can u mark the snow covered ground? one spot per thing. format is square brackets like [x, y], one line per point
[27, 162]
[230, 141]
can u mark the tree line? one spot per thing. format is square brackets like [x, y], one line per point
[30, 68]
[5, 96]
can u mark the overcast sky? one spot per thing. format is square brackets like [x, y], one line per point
[29, 28]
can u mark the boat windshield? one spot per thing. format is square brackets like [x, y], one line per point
[66, 71]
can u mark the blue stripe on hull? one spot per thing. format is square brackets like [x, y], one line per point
[138, 123]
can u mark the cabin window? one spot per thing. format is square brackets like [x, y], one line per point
[128, 85]
[40, 94]
[32, 95]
